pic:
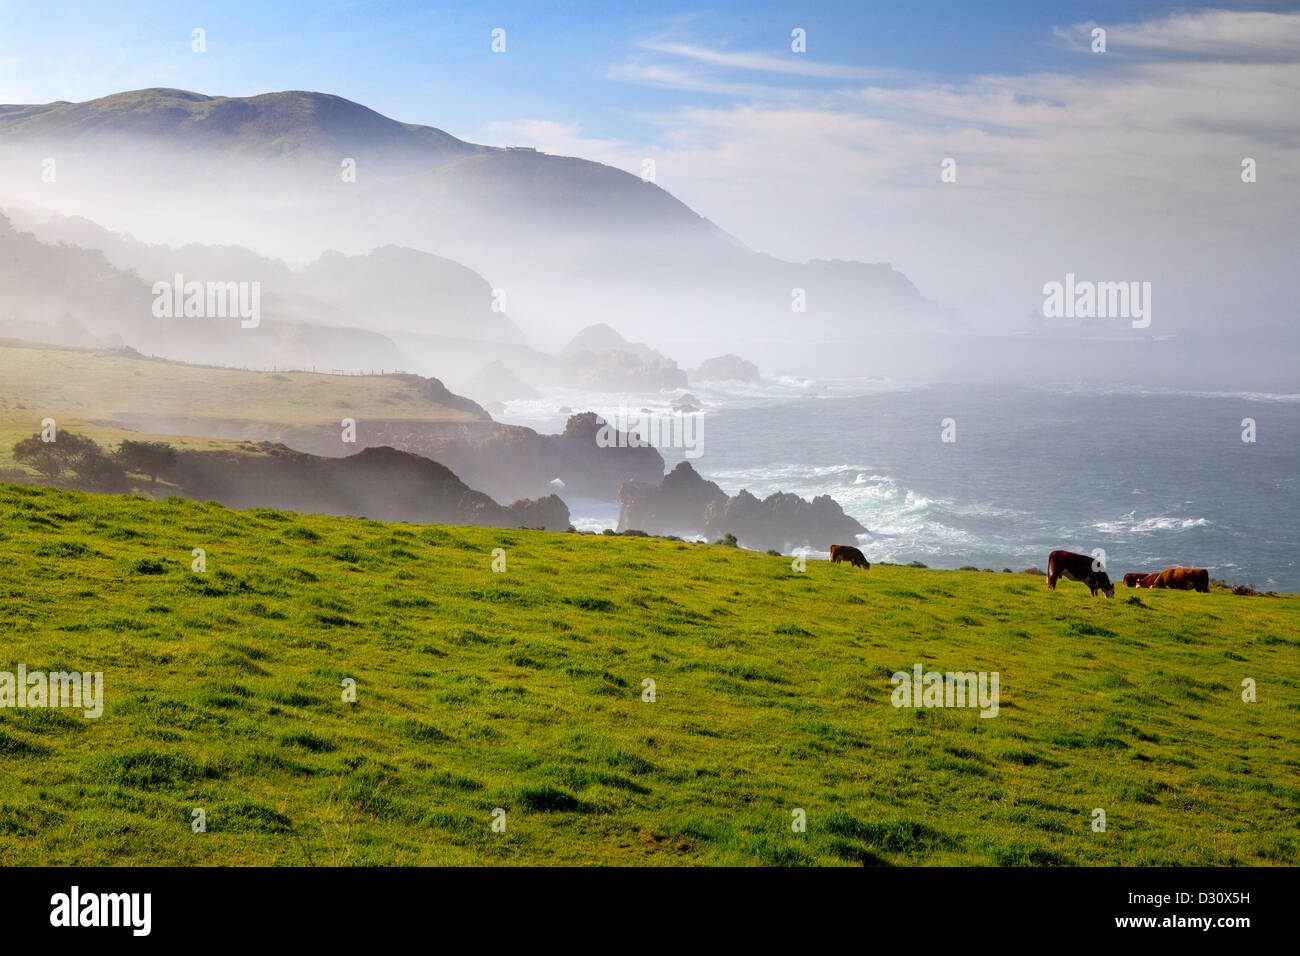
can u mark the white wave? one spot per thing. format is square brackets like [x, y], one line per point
[777, 473]
[1131, 525]
[1152, 391]
[546, 412]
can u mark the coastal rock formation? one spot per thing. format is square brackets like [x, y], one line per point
[781, 520]
[549, 513]
[380, 483]
[677, 504]
[617, 371]
[601, 359]
[726, 368]
[686, 502]
[510, 461]
[503, 461]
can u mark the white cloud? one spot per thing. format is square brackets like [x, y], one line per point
[793, 64]
[1132, 165]
[1204, 35]
[684, 78]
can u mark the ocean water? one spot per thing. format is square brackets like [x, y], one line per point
[1154, 477]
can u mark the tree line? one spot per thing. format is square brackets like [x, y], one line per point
[77, 459]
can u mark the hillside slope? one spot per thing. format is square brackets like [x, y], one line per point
[522, 690]
[285, 126]
[109, 394]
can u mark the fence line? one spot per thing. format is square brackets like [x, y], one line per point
[286, 368]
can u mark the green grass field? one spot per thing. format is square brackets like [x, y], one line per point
[522, 690]
[84, 390]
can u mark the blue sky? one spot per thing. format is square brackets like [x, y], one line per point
[1067, 160]
[584, 63]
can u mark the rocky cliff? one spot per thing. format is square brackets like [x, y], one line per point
[684, 502]
[380, 483]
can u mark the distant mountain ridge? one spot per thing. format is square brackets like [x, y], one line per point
[280, 125]
[289, 128]
[571, 242]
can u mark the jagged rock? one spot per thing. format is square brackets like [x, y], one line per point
[726, 368]
[603, 338]
[685, 501]
[549, 513]
[614, 370]
[599, 358]
[677, 503]
[382, 483]
[781, 520]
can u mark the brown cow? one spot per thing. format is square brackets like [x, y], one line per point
[1180, 579]
[1134, 580]
[844, 552]
[1078, 567]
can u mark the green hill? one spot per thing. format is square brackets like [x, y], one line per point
[273, 125]
[102, 394]
[522, 690]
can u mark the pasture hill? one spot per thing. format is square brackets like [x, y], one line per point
[341, 691]
[218, 415]
[111, 395]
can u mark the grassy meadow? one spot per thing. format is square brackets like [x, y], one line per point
[522, 690]
[85, 390]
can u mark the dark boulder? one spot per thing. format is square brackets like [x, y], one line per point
[685, 501]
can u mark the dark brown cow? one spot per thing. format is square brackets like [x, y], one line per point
[1134, 580]
[1180, 579]
[844, 552]
[1077, 567]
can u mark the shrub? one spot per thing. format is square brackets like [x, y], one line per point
[74, 453]
[150, 458]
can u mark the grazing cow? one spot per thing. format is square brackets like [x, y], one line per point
[844, 552]
[1180, 579]
[1077, 567]
[1134, 580]
[1149, 581]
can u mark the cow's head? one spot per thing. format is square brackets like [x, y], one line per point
[1104, 585]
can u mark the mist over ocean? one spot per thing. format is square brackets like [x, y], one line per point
[1154, 476]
